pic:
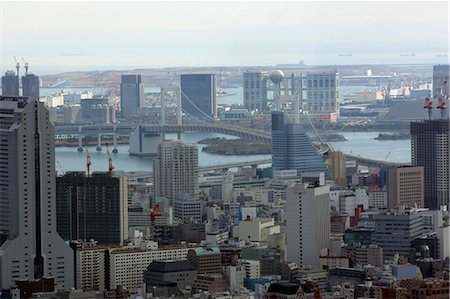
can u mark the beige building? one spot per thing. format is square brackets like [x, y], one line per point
[256, 230]
[338, 170]
[206, 260]
[405, 186]
[369, 96]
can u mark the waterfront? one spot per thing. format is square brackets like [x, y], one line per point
[359, 143]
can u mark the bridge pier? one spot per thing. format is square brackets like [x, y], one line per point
[254, 167]
[99, 142]
[115, 150]
[80, 143]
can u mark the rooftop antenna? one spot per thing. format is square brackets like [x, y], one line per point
[88, 163]
[428, 105]
[26, 66]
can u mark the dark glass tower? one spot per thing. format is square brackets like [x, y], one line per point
[291, 148]
[198, 95]
[430, 149]
[131, 94]
[10, 84]
[30, 86]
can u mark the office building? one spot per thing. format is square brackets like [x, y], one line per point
[181, 272]
[198, 95]
[30, 86]
[131, 95]
[430, 149]
[441, 74]
[255, 91]
[206, 260]
[87, 106]
[338, 170]
[10, 84]
[395, 232]
[31, 247]
[307, 223]
[187, 210]
[176, 170]
[368, 255]
[291, 148]
[405, 186]
[322, 92]
[92, 207]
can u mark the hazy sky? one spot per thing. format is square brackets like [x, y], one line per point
[122, 34]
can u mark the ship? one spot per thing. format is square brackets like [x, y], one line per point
[410, 54]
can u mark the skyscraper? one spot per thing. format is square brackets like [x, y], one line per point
[92, 207]
[131, 94]
[338, 170]
[198, 95]
[176, 170]
[430, 149]
[291, 148]
[30, 86]
[255, 90]
[307, 223]
[322, 92]
[33, 249]
[405, 186]
[441, 73]
[10, 84]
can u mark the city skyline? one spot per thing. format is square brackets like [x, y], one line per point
[244, 33]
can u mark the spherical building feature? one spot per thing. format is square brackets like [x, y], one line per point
[276, 76]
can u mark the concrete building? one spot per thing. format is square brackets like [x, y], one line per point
[252, 268]
[320, 277]
[395, 232]
[211, 283]
[255, 90]
[256, 230]
[430, 149]
[206, 260]
[198, 95]
[322, 92]
[346, 201]
[368, 255]
[441, 73]
[181, 272]
[291, 148]
[378, 199]
[328, 262]
[10, 84]
[176, 170]
[405, 186]
[30, 247]
[307, 223]
[338, 170]
[71, 114]
[92, 207]
[187, 210]
[88, 104]
[30, 86]
[131, 95]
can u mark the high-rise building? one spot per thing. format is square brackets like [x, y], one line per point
[405, 186]
[441, 73]
[32, 249]
[338, 170]
[30, 86]
[307, 223]
[10, 84]
[92, 207]
[255, 90]
[291, 148]
[131, 94]
[176, 170]
[198, 95]
[322, 92]
[430, 149]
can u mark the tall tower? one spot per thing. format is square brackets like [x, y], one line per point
[307, 223]
[291, 148]
[32, 249]
[30, 86]
[337, 167]
[322, 92]
[131, 94]
[198, 95]
[430, 149]
[92, 207]
[255, 91]
[10, 84]
[176, 170]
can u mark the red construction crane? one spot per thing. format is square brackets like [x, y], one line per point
[88, 163]
[26, 66]
[154, 212]
[110, 165]
[428, 105]
[17, 66]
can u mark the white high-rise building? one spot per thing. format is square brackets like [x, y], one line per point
[32, 248]
[307, 223]
[176, 170]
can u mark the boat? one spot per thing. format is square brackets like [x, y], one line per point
[410, 54]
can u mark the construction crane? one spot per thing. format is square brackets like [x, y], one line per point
[154, 212]
[17, 66]
[88, 163]
[26, 66]
[428, 105]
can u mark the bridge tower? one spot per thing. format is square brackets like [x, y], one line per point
[80, 139]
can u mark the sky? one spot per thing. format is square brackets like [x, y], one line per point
[56, 36]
